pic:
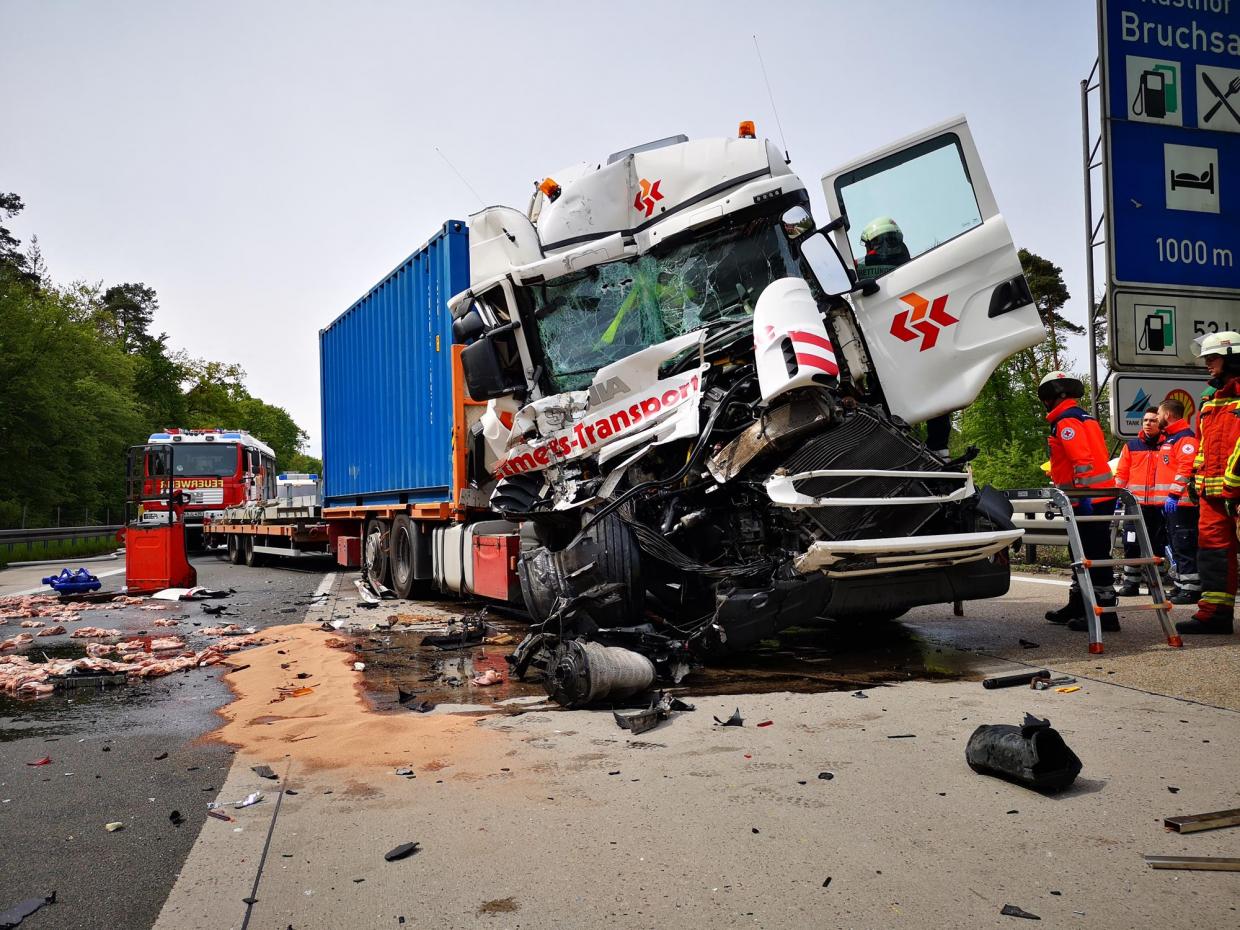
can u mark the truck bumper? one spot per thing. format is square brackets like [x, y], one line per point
[860, 557]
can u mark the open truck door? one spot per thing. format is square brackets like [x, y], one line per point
[943, 301]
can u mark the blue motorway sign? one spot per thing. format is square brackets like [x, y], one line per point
[1171, 84]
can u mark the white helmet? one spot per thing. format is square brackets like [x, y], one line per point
[1060, 384]
[1224, 343]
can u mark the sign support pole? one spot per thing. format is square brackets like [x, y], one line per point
[1091, 316]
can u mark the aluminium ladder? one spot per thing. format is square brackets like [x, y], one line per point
[1148, 562]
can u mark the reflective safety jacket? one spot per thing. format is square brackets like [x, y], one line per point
[1216, 467]
[1138, 469]
[1078, 449]
[1176, 455]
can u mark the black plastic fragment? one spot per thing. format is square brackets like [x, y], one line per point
[177, 818]
[1029, 644]
[1033, 754]
[213, 609]
[161, 757]
[736, 720]
[827, 882]
[826, 776]
[16, 913]
[1011, 910]
[404, 850]
[422, 707]
[263, 771]
[404, 697]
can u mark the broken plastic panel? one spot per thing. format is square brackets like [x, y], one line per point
[1033, 755]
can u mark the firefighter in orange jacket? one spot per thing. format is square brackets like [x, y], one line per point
[1079, 461]
[1176, 456]
[1217, 480]
[1138, 472]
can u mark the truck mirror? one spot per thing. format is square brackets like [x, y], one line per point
[797, 222]
[492, 365]
[468, 327]
[824, 261]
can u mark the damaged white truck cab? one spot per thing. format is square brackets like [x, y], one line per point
[700, 412]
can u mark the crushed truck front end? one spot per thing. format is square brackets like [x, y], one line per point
[685, 416]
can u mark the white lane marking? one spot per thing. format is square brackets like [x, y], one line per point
[326, 585]
[1054, 581]
[47, 590]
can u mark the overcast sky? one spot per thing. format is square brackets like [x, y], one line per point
[262, 164]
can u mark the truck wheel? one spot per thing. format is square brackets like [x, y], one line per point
[401, 552]
[252, 559]
[375, 562]
[234, 548]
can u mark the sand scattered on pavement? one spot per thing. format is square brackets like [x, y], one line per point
[332, 727]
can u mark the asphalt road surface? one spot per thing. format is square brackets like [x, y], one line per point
[105, 748]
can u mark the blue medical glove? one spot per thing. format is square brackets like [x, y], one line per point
[1171, 506]
[1085, 507]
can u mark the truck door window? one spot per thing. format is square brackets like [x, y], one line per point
[906, 204]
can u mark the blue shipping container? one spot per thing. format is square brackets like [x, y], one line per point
[385, 368]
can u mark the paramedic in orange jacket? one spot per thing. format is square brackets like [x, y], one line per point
[1176, 455]
[1138, 471]
[1217, 480]
[1079, 461]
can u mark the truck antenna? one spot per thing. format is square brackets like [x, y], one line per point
[762, 65]
[481, 202]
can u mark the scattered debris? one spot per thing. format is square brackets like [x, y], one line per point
[860, 694]
[219, 815]
[190, 594]
[1173, 789]
[52, 631]
[1212, 821]
[406, 772]
[357, 667]
[404, 697]
[114, 826]
[46, 760]
[177, 818]
[767, 723]
[249, 800]
[263, 771]
[1033, 755]
[164, 621]
[1011, 910]
[736, 720]
[827, 882]
[14, 914]
[31, 624]
[94, 632]
[17, 642]
[1045, 684]
[500, 639]
[213, 610]
[403, 851]
[1029, 644]
[422, 707]
[161, 757]
[498, 906]
[826, 776]
[902, 736]
[1014, 680]
[1068, 690]
[488, 678]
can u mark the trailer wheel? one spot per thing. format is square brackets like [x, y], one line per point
[401, 553]
[252, 559]
[234, 548]
[376, 564]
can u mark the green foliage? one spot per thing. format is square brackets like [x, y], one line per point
[82, 379]
[67, 549]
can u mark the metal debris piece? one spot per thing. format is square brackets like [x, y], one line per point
[263, 771]
[736, 720]
[1194, 863]
[1211, 821]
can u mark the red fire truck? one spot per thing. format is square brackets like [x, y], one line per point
[218, 468]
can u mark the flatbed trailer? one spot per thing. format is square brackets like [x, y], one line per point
[286, 526]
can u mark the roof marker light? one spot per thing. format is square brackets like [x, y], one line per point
[550, 189]
[747, 130]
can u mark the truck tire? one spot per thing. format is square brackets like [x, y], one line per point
[234, 548]
[376, 565]
[402, 548]
[252, 559]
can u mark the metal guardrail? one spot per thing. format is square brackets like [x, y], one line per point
[27, 543]
[1041, 521]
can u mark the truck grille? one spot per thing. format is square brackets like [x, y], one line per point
[865, 440]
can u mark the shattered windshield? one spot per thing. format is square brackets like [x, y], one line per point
[608, 312]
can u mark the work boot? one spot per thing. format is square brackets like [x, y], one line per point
[1183, 597]
[1110, 621]
[1074, 608]
[1128, 589]
[1219, 626]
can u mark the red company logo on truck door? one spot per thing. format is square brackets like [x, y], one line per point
[922, 317]
[645, 200]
